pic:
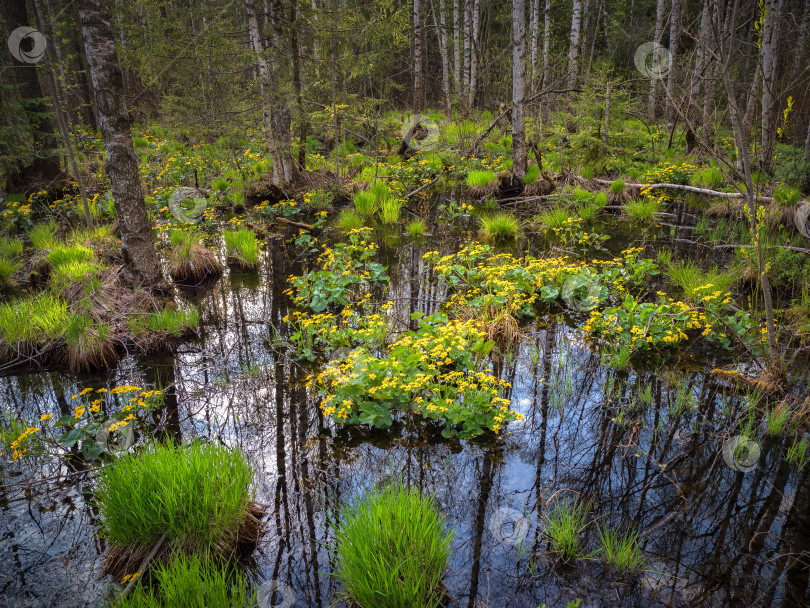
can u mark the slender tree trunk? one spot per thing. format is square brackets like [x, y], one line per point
[476, 22]
[417, 55]
[444, 54]
[265, 83]
[296, 74]
[606, 132]
[573, 47]
[769, 79]
[800, 44]
[45, 169]
[806, 154]
[659, 32]
[457, 36]
[674, 33]
[710, 77]
[518, 91]
[534, 24]
[546, 39]
[140, 257]
[467, 50]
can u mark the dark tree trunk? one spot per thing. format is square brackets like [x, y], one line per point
[44, 171]
[140, 257]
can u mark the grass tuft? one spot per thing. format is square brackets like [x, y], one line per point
[416, 228]
[554, 218]
[641, 210]
[42, 235]
[389, 211]
[563, 527]
[10, 247]
[197, 495]
[697, 283]
[242, 248]
[621, 551]
[481, 182]
[349, 220]
[532, 175]
[30, 323]
[7, 269]
[708, 178]
[190, 260]
[88, 344]
[617, 187]
[499, 226]
[366, 203]
[391, 550]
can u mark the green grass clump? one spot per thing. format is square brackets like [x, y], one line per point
[10, 247]
[696, 282]
[499, 226]
[349, 220]
[242, 248]
[190, 260]
[42, 235]
[379, 190]
[140, 142]
[786, 196]
[31, 322]
[600, 200]
[588, 212]
[72, 272]
[198, 495]
[481, 179]
[588, 172]
[220, 184]
[193, 582]
[617, 186]
[416, 228]
[711, 178]
[88, 343]
[563, 527]
[166, 321]
[62, 255]
[531, 176]
[391, 550]
[554, 218]
[7, 269]
[641, 210]
[389, 210]
[366, 204]
[621, 551]
[581, 195]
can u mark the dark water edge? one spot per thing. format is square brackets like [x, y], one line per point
[714, 536]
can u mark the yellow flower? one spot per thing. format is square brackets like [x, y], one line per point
[45, 417]
[78, 412]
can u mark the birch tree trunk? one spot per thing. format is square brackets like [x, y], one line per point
[518, 91]
[710, 76]
[573, 47]
[417, 55]
[444, 54]
[674, 33]
[476, 22]
[467, 49]
[457, 36]
[140, 258]
[534, 23]
[265, 84]
[769, 78]
[659, 31]
[546, 39]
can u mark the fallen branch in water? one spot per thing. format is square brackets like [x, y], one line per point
[296, 224]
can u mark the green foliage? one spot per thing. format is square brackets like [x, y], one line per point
[242, 248]
[600, 200]
[42, 235]
[587, 212]
[621, 551]
[166, 321]
[564, 526]
[10, 247]
[480, 179]
[696, 284]
[392, 548]
[641, 210]
[349, 220]
[499, 226]
[416, 228]
[220, 184]
[347, 270]
[62, 255]
[380, 192]
[366, 204]
[588, 172]
[191, 582]
[31, 322]
[531, 176]
[711, 178]
[786, 196]
[197, 495]
[555, 218]
[7, 269]
[389, 211]
[617, 186]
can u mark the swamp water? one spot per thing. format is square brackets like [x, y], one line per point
[642, 448]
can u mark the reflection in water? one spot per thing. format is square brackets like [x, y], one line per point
[643, 449]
